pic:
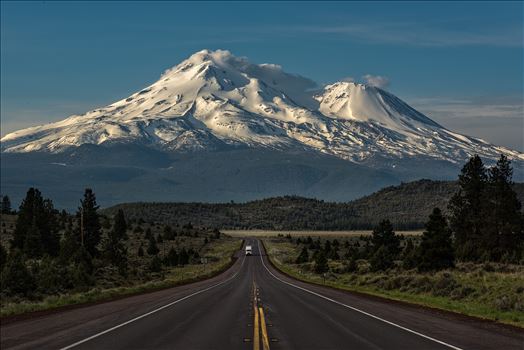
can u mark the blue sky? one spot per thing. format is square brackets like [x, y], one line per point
[461, 63]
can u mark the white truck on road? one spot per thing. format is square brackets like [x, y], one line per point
[249, 250]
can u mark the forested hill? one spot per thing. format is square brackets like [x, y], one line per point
[407, 206]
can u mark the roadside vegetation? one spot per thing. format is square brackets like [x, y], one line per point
[52, 259]
[470, 261]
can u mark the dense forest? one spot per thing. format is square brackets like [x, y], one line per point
[407, 206]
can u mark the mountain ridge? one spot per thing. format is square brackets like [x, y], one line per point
[217, 127]
[216, 100]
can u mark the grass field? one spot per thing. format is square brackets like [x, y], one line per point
[331, 234]
[489, 291]
[219, 255]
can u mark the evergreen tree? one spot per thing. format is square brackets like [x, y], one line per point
[152, 248]
[183, 257]
[505, 230]
[381, 259]
[409, 255]
[15, 277]
[140, 251]
[172, 257]
[321, 263]
[386, 246]
[303, 256]
[435, 251]
[6, 205]
[120, 225]
[37, 215]
[156, 264]
[90, 228]
[148, 234]
[115, 250]
[383, 235]
[3, 256]
[33, 241]
[468, 210]
[159, 238]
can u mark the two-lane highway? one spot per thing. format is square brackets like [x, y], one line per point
[253, 306]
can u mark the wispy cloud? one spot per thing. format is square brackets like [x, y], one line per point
[499, 120]
[418, 34]
[376, 80]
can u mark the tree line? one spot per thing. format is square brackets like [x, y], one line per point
[485, 223]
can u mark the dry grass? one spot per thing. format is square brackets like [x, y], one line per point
[330, 234]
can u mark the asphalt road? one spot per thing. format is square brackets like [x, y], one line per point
[252, 306]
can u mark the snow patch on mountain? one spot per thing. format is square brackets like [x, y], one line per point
[214, 100]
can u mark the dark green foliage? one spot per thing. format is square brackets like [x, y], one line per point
[435, 251]
[140, 251]
[33, 241]
[120, 225]
[321, 263]
[159, 238]
[506, 221]
[156, 264]
[386, 246]
[183, 257]
[6, 205]
[152, 248]
[352, 264]
[486, 220]
[148, 234]
[50, 276]
[383, 235]
[38, 218]
[90, 228]
[216, 233]
[172, 257]
[381, 259]
[468, 210]
[3, 256]
[409, 255]
[169, 233]
[16, 279]
[407, 206]
[303, 256]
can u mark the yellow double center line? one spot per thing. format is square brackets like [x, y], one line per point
[259, 324]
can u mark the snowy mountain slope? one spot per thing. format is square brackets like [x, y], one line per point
[215, 101]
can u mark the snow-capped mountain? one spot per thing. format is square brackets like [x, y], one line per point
[214, 100]
[217, 128]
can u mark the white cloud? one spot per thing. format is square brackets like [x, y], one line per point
[348, 79]
[376, 80]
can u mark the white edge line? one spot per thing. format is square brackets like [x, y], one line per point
[153, 311]
[355, 309]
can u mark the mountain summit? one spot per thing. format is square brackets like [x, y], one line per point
[217, 102]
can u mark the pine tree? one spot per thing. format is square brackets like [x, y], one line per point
[6, 205]
[183, 257]
[321, 263]
[409, 253]
[303, 256]
[3, 256]
[120, 225]
[505, 229]
[140, 251]
[383, 235]
[90, 228]
[37, 215]
[381, 259]
[33, 241]
[152, 248]
[435, 252]
[172, 257]
[468, 210]
[156, 264]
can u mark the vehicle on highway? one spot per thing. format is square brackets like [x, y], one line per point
[249, 250]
